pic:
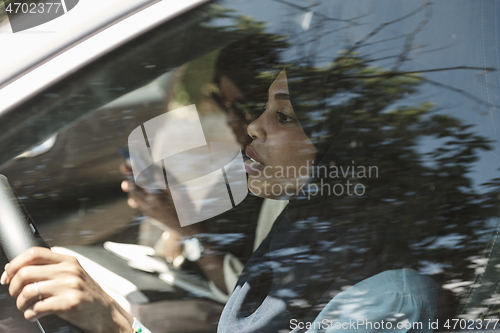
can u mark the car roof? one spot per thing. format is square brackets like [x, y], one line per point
[33, 46]
[39, 56]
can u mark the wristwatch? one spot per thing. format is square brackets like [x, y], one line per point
[192, 249]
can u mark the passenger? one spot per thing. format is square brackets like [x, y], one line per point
[252, 219]
[322, 247]
[222, 261]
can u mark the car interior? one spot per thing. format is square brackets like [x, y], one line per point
[429, 70]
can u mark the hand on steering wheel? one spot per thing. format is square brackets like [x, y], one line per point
[44, 282]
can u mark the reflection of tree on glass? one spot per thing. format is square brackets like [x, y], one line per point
[300, 264]
[348, 115]
[320, 246]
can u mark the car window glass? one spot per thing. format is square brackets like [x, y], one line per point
[398, 100]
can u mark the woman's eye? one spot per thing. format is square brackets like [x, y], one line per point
[283, 118]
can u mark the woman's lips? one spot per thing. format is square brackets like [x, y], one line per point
[253, 165]
[252, 154]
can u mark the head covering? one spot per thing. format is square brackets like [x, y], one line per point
[375, 202]
[335, 235]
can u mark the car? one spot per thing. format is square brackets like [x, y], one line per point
[421, 80]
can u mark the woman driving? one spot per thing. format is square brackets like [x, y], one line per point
[301, 266]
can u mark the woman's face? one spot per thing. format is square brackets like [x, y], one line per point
[281, 154]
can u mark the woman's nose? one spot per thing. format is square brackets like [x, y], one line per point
[256, 129]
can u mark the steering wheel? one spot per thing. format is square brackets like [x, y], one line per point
[17, 235]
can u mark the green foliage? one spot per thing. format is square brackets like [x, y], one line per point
[358, 115]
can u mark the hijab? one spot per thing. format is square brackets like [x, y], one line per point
[325, 241]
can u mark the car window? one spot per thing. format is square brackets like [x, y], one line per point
[398, 100]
